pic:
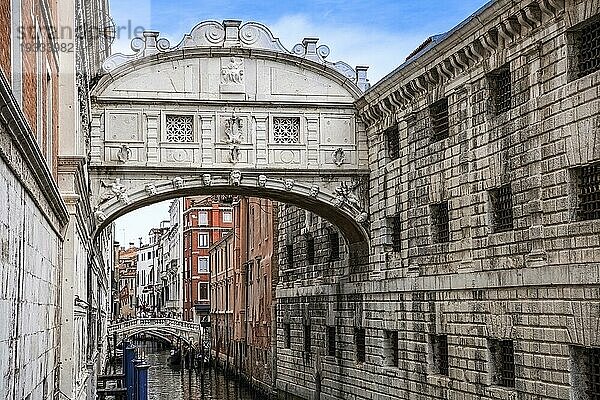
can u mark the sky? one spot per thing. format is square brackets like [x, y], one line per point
[379, 34]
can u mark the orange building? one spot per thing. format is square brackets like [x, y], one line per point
[243, 279]
[206, 220]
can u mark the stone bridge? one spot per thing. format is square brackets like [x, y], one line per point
[164, 328]
[229, 110]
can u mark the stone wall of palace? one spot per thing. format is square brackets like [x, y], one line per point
[31, 215]
[484, 276]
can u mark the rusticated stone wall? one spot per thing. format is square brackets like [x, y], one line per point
[518, 305]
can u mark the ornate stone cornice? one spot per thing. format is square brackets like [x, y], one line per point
[232, 34]
[447, 56]
[21, 152]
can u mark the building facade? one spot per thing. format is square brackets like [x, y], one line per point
[482, 281]
[206, 221]
[243, 278]
[148, 279]
[222, 298]
[57, 292]
[126, 267]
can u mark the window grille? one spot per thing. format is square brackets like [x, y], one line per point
[396, 233]
[441, 225]
[391, 348]
[331, 341]
[310, 251]
[503, 359]
[392, 139]
[588, 192]
[593, 362]
[587, 42]
[334, 243]
[501, 89]
[438, 113]
[289, 249]
[359, 339]
[307, 339]
[286, 129]
[439, 345]
[180, 128]
[287, 335]
[501, 199]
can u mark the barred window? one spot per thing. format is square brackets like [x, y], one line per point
[331, 340]
[287, 335]
[180, 128]
[441, 224]
[286, 129]
[334, 244]
[396, 233]
[586, 42]
[359, 340]
[307, 339]
[289, 252]
[588, 191]
[500, 85]
[310, 251]
[438, 114]
[392, 140]
[502, 356]
[439, 351]
[585, 372]
[390, 348]
[502, 215]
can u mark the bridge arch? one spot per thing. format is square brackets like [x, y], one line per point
[229, 110]
[188, 332]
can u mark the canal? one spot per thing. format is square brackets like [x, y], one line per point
[171, 382]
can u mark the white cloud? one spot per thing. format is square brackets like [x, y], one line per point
[137, 224]
[356, 45]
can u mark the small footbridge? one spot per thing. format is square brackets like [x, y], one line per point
[169, 329]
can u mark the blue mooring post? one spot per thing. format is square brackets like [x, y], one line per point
[128, 356]
[135, 363]
[142, 380]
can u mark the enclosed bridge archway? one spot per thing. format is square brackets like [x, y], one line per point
[229, 110]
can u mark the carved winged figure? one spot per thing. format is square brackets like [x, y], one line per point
[233, 73]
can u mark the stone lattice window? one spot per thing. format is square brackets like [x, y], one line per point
[502, 357]
[392, 140]
[286, 129]
[500, 85]
[390, 348]
[439, 352]
[586, 42]
[180, 128]
[502, 214]
[588, 191]
[331, 341]
[440, 124]
[441, 222]
[359, 340]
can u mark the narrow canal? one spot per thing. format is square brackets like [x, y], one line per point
[171, 382]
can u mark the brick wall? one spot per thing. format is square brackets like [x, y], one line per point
[5, 37]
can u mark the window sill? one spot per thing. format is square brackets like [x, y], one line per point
[436, 379]
[501, 392]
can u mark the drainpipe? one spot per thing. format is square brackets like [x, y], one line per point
[247, 287]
